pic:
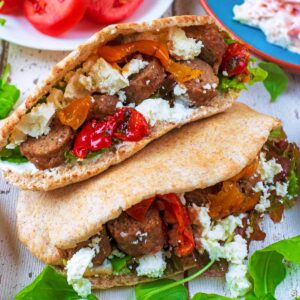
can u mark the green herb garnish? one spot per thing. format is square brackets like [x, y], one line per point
[276, 82]
[2, 21]
[230, 41]
[203, 296]
[9, 94]
[12, 155]
[50, 285]
[69, 156]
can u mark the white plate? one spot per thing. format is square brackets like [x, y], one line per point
[19, 31]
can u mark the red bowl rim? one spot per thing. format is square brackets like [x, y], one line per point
[287, 65]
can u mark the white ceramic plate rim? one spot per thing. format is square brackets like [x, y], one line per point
[19, 31]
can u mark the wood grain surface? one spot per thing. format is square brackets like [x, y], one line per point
[18, 267]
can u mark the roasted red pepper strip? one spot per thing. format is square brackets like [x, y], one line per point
[139, 211]
[126, 124]
[133, 127]
[185, 240]
[236, 59]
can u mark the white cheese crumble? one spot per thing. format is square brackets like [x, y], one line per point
[179, 90]
[122, 96]
[133, 67]
[76, 267]
[155, 110]
[152, 266]
[104, 78]
[36, 122]
[282, 189]
[220, 241]
[183, 47]
[268, 169]
[236, 280]
[264, 201]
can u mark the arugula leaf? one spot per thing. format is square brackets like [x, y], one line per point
[230, 41]
[50, 285]
[276, 82]
[119, 263]
[9, 94]
[2, 22]
[257, 75]
[143, 291]
[203, 296]
[166, 288]
[227, 83]
[12, 155]
[266, 266]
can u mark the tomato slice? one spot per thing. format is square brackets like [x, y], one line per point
[10, 6]
[111, 11]
[139, 211]
[56, 16]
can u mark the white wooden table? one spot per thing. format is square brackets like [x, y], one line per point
[18, 267]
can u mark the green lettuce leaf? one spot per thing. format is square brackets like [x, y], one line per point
[9, 94]
[50, 285]
[266, 267]
[203, 296]
[276, 82]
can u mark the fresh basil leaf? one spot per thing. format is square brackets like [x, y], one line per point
[161, 289]
[9, 94]
[50, 285]
[266, 266]
[227, 83]
[203, 296]
[276, 82]
[257, 75]
[12, 155]
[146, 291]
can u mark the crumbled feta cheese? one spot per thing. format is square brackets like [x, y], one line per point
[152, 266]
[122, 96]
[282, 189]
[76, 267]
[183, 47]
[268, 169]
[249, 231]
[204, 219]
[236, 280]
[16, 139]
[133, 67]
[225, 73]
[264, 201]
[123, 234]
[207, 86]
[155, 110]
[179, 90]
[36, 122]
[76, 89]
[148, 82]
[104, 78]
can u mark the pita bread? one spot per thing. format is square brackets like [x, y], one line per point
[71, 173]
[198, 155]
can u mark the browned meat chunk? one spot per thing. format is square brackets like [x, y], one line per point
[104, 246]
[146, 82]
[213, 41]
[138, 238]
[102, 106]
[202, 89]
[48, 151]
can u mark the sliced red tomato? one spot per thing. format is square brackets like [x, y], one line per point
[10, 6]
[56, 16]
[139, 211]
[111, 11]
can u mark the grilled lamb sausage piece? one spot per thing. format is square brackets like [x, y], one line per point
[48, 150]
[202, 89]
[146, 82]
[104, 247]
[213, 41]
[102, 106]
[138, 238]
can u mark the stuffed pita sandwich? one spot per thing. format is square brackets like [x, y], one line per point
[196, 193]
[125, 87]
